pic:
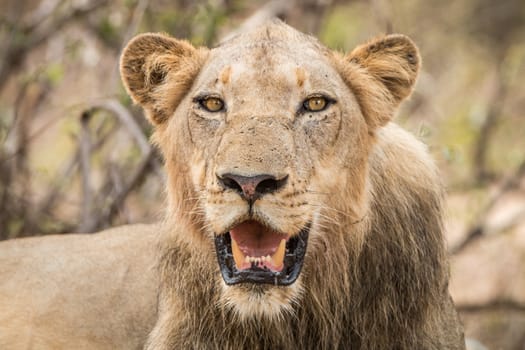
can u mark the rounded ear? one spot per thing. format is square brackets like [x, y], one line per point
[381, 73]
[157, 72]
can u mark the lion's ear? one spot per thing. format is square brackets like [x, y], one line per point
[158, 71]
[382, 73]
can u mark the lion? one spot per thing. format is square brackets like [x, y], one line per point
[299, 216]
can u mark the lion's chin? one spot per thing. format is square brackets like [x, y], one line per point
[260, 301]
[254, 254]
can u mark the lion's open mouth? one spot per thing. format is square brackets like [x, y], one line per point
[253, 253]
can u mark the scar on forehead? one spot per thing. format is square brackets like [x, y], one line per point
[225, 75]
[300, 74]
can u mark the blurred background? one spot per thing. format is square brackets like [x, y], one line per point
[74, 151]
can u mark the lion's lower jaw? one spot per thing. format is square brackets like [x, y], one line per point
[260, 301]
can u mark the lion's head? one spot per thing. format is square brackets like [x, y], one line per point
[267, 141]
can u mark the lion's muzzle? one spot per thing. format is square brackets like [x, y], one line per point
[251, 251]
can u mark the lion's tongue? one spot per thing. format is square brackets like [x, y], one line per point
[254, 243]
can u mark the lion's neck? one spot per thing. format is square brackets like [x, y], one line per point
[199, 317]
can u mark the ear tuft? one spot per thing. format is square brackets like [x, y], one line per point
[157, 71]
[381, 73]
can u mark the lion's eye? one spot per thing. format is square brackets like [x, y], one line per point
[212, 104]
[315, 104]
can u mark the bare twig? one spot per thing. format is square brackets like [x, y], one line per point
[85, 168]
[17, 175]
[55, 189]
[114, 202]
[43, 12]
[117, 182]
[496, 305]
[118, 199]
[127, 120]
[495, 106]
[51, 27]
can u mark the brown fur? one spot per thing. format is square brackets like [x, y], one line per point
[375, 274]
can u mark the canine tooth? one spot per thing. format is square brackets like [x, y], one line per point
[278, 256]
[238, 256]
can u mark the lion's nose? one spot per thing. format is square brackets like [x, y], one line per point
[252, 188]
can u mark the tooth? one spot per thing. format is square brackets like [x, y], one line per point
[278, 256]
[238, 256]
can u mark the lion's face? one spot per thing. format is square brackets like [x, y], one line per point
[271, 145]
[267, 126]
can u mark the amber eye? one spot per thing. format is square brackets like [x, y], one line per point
[212, 104]
[315, 104]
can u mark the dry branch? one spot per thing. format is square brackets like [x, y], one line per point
[117, 200]
[126, 119]
[496, 102]
[116, 188]
[85, 170]
[495, 305]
